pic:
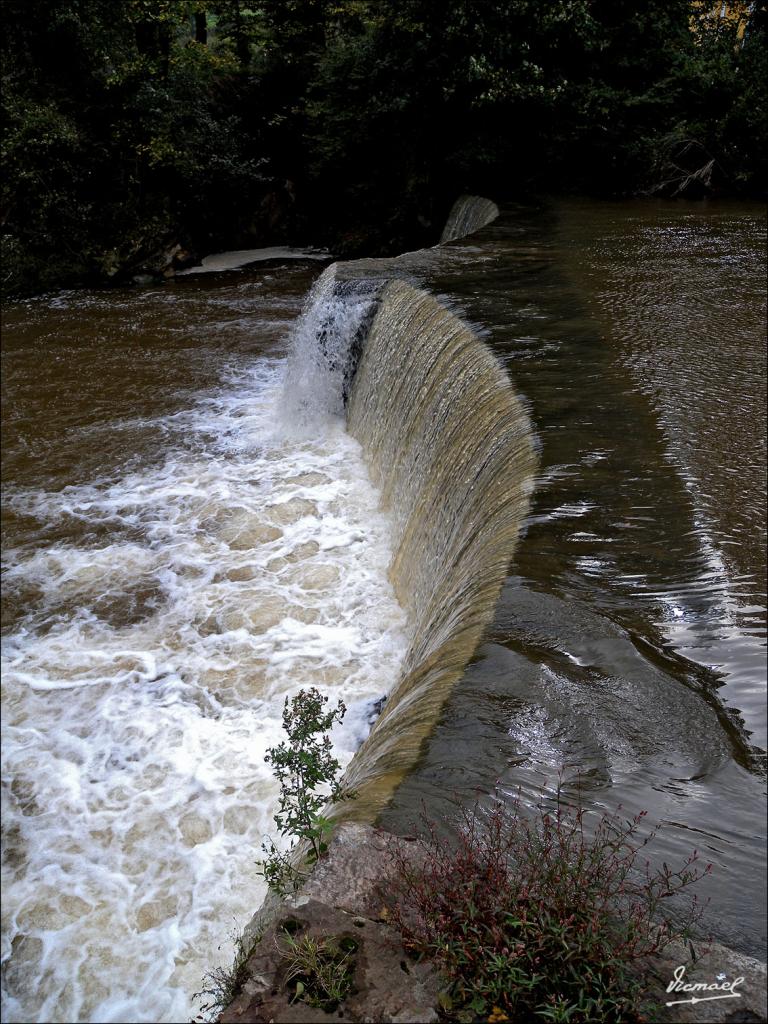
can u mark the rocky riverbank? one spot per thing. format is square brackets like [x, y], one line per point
[342, 901]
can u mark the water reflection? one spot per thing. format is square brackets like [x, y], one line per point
[629, 648]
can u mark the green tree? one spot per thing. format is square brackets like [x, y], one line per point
[308, 774]
[352, 123]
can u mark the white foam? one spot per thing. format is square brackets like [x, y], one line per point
[322, 350]
[147, 681]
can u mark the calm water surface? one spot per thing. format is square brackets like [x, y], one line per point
[628, 648]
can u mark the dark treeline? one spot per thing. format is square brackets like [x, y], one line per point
[135, 125]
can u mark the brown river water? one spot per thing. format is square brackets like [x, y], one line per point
[180, 553]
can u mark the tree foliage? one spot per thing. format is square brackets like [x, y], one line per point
[353, 122]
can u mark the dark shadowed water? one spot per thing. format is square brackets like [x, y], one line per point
[628, 646]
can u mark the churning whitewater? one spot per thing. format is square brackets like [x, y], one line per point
[146, 681]
[173, 606]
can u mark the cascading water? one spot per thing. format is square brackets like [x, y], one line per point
[166, 610]
[191, 534]
[468, 214]
[449, 445]
[326, 347]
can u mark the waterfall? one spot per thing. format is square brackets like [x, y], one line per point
[468, 214]
[325, 349]
[449, 445]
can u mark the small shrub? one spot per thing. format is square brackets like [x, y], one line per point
[319, 971]
[223, 984]
[532, 919]
[301, 766]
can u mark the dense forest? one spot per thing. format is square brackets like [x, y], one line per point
[141, 131]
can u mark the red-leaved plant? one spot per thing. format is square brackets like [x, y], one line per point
[532, 918]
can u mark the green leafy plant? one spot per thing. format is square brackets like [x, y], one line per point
[319, 970]
[308, 772]
[537, 918]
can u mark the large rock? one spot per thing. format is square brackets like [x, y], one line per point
[386, 985]
[359, 862]
[713, 965]
[340, 901]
